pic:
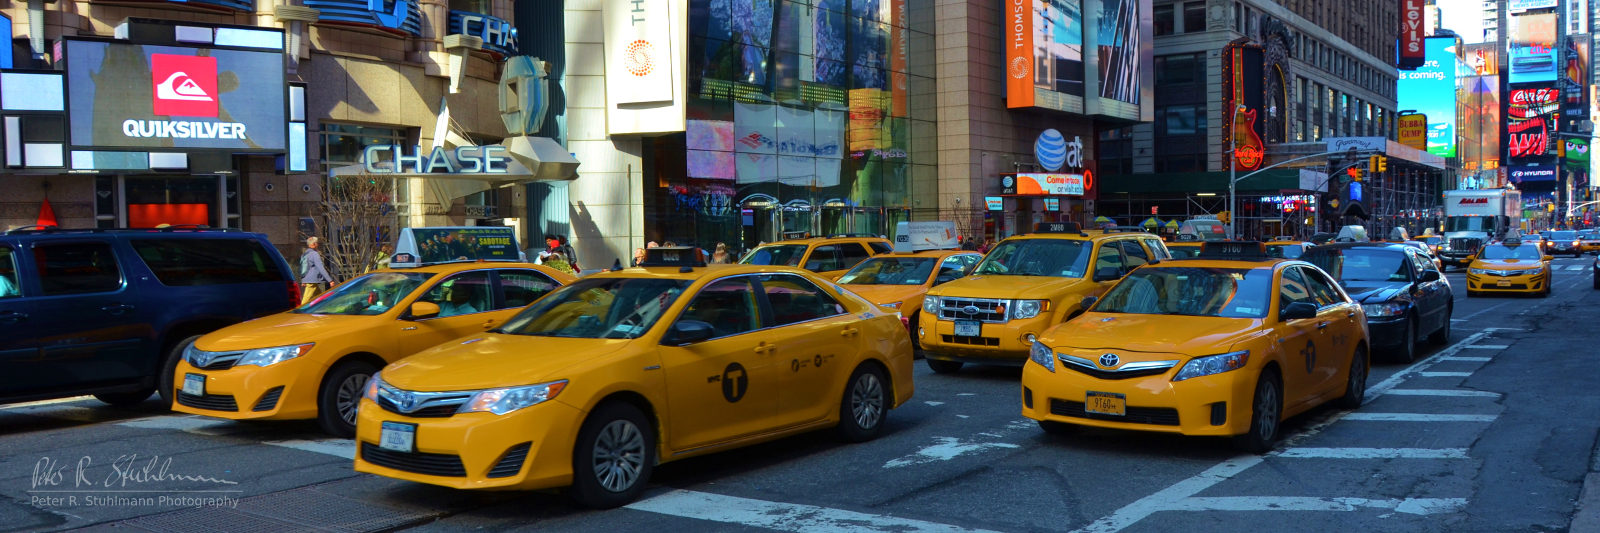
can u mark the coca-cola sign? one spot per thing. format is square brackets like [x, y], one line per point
[1531, 117]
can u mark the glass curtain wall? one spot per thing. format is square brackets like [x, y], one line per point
[803, 116]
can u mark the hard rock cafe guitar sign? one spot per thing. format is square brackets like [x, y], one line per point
[1245, 140]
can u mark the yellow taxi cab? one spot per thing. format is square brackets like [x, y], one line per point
[1185, 247]
[313, 361]
[1511, 266]
[924, 256]
[1227, 344]
[828, 257]
[595, 384]
[1287, 247]
[1589, 241]
[1024, 285]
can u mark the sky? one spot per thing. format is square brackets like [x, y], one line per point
[1465, 17]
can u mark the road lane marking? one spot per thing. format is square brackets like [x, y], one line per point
[1442, 392]
[1487, 347]
[196, 424]
[1418, 417]
[1472, 359]
[1445, 374]
[935, 404]
[1417, 506]
[948, 448]
[1171, 496]
[1395, 379]
[345, 448]
[1376, 453]
[781, 516]
[1482, 311]
[1577, 267]
[45, 402]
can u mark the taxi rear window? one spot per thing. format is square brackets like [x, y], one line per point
[1191, 291]
[598, 308]
[778, 254]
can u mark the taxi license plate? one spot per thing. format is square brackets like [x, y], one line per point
[194, 384]
[1106, 403]
[398, 437]
[968, 328]
[1503, 283]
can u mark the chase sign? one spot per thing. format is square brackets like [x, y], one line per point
[395, 16]
[498, 35]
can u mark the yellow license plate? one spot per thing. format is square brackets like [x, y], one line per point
[1503, 283]
[1106, 403]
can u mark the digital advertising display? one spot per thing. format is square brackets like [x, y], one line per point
[1044, 51]
[1531, 116]
[1431, 91]
[1576, 72]
[1532, 48]
[1124, 51]
[148, 96]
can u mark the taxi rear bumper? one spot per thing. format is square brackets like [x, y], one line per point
[527, 449]
[283, 391]
[1215, 405]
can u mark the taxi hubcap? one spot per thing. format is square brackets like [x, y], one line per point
[866, 401]
[1358, 378]
[350, 396]
[1267, 406]
[618, 455]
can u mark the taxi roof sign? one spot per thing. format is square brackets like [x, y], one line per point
[912, 237]
[676, 256]
[431, 246]
[1234, 250]
[1057, 227]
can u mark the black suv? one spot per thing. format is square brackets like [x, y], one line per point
[107, 312]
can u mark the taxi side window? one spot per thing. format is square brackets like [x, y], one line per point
[852, 254]
[1108, 257]
[879, 248]
[729, 305]
[9, 286]
[462, 294]
[1157, 249]
[794, 299]
[823, 259]
[1321, 287]
[522, 287]
[1135, 254]
[1294, 289]
[950, 269]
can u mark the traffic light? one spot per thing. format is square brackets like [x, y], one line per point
[1355, 173]
[1378, 163]
[1224, 216]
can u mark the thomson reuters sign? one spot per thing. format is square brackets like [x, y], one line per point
[1019, 53]
[1414, 130]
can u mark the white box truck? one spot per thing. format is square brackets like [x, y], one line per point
[1476, 217]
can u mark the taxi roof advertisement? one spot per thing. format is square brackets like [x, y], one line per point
[919, 236]
[423, 246]
[123, 95]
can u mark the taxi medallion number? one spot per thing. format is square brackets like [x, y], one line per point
[1503, 283]
[968, 328]
[194, 384]
[1106, 403]
[398, 437]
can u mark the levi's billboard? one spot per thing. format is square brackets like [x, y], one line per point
[123, 95]
[1413, 30]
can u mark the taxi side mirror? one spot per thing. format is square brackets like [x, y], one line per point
[1088, 301]
[1299, 310]
[1108, 274]
[687, 332]
[421, 310]
[1549, 258]
[1430, 276]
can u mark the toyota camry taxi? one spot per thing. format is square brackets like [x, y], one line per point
[595, 384]
[925, 255]
[1511, 266]
[1025, 285]
[312, 361]
[828, 257]
[1227, 344]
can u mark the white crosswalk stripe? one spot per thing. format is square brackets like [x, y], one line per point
[1419, 506]
[1441, 392]
[1376, 453]
[780, 516]
[1418, 417]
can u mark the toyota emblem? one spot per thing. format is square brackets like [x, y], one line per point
[203, 359]
[971, 309]
[407, 401]
[1109, 360]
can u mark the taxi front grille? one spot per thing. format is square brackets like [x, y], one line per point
[1155, 416]
[971, 341]
[268, 401]
[1511, 287]
[1113, 375]
[433, 411]
[209, 402]
[982, 309]
[429, 464]
[511, 462]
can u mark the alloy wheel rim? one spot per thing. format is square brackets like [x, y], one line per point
[1268, 407]
[866, 401]
[618, 455]
[349, 397]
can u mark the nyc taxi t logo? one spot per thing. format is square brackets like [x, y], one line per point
[735, 382]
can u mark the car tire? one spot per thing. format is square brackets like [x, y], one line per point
[1059, 429]
[1266, 416]
[166, 383]
[1441, 336]
[1407, 353]
[340, 396]
[943, 367]
[865, 404]
[124, 399]
[1355, 385]
[625, 442]
[916, 343]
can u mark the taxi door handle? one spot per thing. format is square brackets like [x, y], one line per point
[1349, 314]
[488, 324]
[1322, 325]
[765, 348]
[848, 332]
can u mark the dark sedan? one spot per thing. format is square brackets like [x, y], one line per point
[1399, 287]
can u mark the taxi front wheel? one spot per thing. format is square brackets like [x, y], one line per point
[1266, 410]
[865, 404]
[1355, 387]
[614, 456]
[340, 397]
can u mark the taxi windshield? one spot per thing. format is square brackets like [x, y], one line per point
[1502, 251]
[1184, 252]
[1036, 257]
[372, 294]
[1285, 251]
[1361, 264]
[777, 254]
[891, 271]
[1191, 291]
[1563, 235]
[603, 308]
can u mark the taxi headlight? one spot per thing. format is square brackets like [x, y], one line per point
[1384, 309]
[270, 356]
[371, 391]
[1479, 271]
[1029, 308]
[1213, 364]
[191, 355]
[930, 305]
[502, 401]
[1043, 355]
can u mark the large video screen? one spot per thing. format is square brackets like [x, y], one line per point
[148, 96]
[1533, 48]
[1531, 116]
[1124, 49]
[1431, 90]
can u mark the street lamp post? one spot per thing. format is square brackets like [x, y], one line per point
[1233, 181]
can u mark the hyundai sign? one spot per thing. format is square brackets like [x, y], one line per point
[123, 95]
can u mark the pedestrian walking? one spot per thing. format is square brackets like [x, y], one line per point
[721, 256]
[314, 276]
[567, 253]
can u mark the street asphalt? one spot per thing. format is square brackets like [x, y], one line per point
[1494, 432]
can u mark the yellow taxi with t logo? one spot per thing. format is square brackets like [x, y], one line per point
[926, 255]
[1227, 344]
[1025, 285]
[313, 361]
[828, 257]
[1511, 266]
[598, 382]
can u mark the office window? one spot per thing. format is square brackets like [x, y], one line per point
[1182, 69]
[343, 144]
[1194, 17]
[1181, 120]
[1180, 163]
[1164, 20]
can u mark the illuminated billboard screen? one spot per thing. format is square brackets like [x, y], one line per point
[1044, 54]
[1431, 91]
[1531, 123]
[1124, 53]
[1533, 48]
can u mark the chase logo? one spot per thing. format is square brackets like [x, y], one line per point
[1050, 150]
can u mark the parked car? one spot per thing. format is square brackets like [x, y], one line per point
[108, 312]
[1403, 293]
